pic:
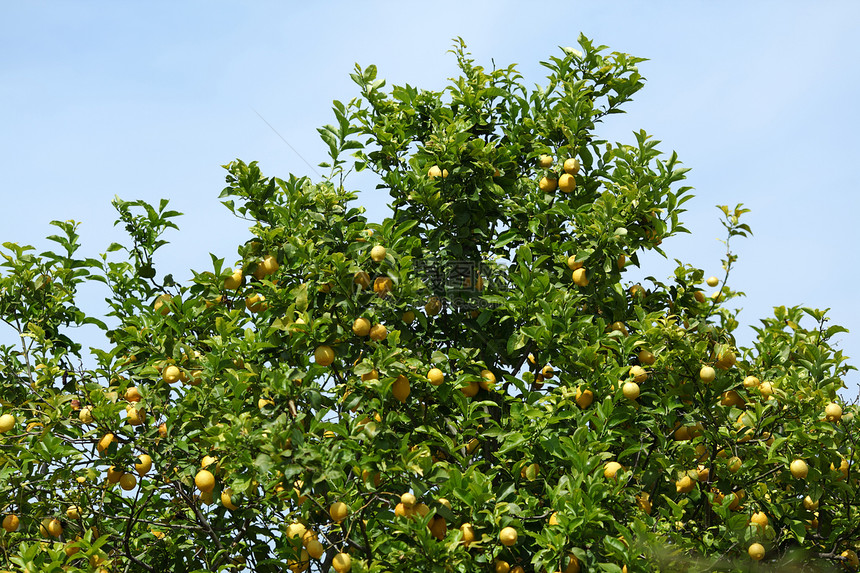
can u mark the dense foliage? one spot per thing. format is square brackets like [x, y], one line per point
[470, 385]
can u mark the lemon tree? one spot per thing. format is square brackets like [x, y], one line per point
[476, 383]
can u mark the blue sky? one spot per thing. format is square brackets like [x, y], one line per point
[148, 100]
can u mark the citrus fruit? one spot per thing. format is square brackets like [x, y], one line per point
[204, 480]
[799, 469]
[324, 355]
[508, 536]
[378, 253]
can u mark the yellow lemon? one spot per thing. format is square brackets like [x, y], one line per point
[324, 355]
[204, 480]
[436, 377]
[508, 536]
[756, 551]
[378, 253]
[799, 469]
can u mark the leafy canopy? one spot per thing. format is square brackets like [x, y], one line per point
[485, 393]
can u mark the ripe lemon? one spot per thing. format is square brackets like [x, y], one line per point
[85, 415]
[438, 527]
[508, 536]
[11, 523]
[726, 360]
[799, 469]
[400, 388]
[361, 326]
[362, 279]
[571, 166]
[408, 500]
[134, 416]
[342, 562]
[227, 499]
[572, 263]
[171, 374]
[297, 566]
[682, 434]
[315, 548]
[433, 306]
[488, 380]
[712, 281]
[766, 389]
[105, 443]
[646, 357]
[579, 277]
[256, 303]
[751, 382]
[7, 422]
[270, 265]
[684, 485]
[547, 372]
[471, 389]
[759, 518]
[234, 281]
[639, 374]
[113, 475]
[308, 536]
[468, 533]
[731, 398]
[338, 511]
[382, 286]
[547, 184]
[630, 390]
[128, 482]
[204, 480]
[643, 502]
[421, 509]
[51, 526]
[378, 253]
[833, 412]
[545, 161]
[567, 183]
[756, 551]
[809, 504]
[143, 465]
[436, 376]
[852, 562]
[707, 374]
[401, 511]
[610, 470]
[501, 566]
[699, 296]
[324, 355]
[434, 172]
[378, 332]
[296, 529]
[132, 394]
[584, 398]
